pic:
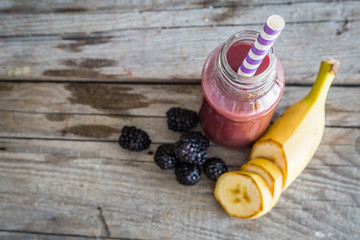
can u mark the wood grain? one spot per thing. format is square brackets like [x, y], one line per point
[67, 182]
[93, 160]
[139, 47]
[73, 73]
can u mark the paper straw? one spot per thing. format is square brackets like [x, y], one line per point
[263, 43]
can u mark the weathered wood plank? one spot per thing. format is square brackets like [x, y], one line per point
[172, 54]
[98, 111]
[61, 170]
[83, 22]
[138, 200]
[55, 6]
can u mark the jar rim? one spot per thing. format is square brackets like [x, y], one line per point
[249, 36]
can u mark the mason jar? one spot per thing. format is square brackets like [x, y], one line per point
[236, 110]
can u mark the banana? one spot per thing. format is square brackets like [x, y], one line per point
[243, 194]
[293, 139]
[280, 155]
[270, 172]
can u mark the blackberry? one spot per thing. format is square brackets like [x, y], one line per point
[195, 137]
[214, 167]
[181, 119]
[189, 152]
[187, 174]
[134, 139]
[165, 156]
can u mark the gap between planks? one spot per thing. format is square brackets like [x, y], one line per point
[132, 116]
[190, 82]
[64, 235]
[81, 35]
[230, 166]
[210, 4]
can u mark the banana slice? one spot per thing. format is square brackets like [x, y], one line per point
[243, 194]
[272, 151]
[270, 172]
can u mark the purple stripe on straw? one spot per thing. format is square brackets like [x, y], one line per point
[264, 42]
[257, 51]
[252, 61]
[270, 31]
[246, 70]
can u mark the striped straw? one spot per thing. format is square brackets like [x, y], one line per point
[263, 43]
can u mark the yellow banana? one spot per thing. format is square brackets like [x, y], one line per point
[293, 139]
[290, 143]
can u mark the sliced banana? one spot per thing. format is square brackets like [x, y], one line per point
[270, 172]
[243, 194]
[272, 151]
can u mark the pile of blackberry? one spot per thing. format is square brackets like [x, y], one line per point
[187, 155]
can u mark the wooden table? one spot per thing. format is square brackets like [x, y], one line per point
[73, 73]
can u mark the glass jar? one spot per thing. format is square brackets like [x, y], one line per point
[236, 110]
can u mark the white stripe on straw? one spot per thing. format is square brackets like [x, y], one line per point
[263, 43]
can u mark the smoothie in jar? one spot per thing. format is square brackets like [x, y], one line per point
[236, 110]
